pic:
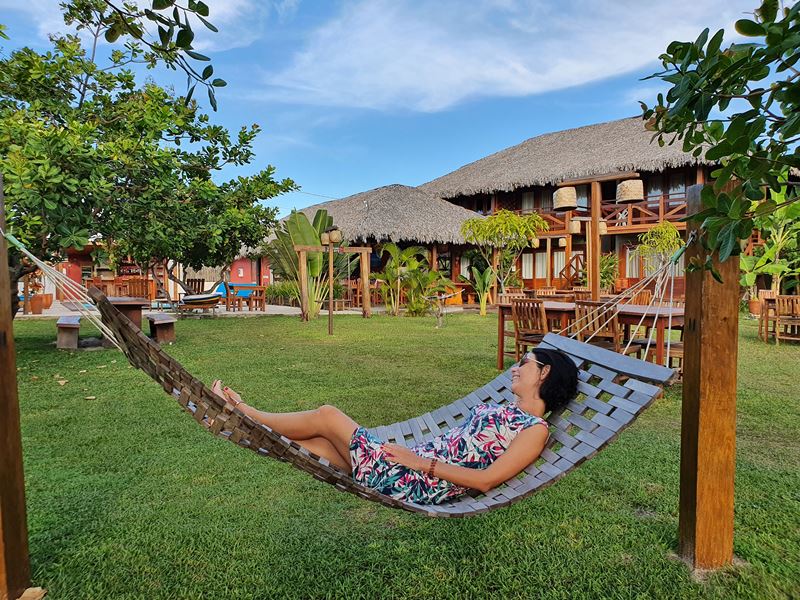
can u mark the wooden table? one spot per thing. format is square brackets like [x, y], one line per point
[130, 307]
[629, 314]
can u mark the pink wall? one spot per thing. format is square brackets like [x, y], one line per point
[249, 271]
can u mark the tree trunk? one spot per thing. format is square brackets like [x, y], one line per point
[176, 279]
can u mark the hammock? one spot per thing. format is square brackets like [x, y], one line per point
[613, 390]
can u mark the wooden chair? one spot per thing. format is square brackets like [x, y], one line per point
[787, 318]
[138, 287]
[767, 316]
[530, 323]
[196, 284]
[600, 327]
[545, 291]
[257, 300]
[642, 298]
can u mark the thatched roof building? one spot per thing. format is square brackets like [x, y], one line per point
[622, 145]
[396, 213]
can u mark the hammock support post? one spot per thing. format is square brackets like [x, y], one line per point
[708, 419]
[15, 569]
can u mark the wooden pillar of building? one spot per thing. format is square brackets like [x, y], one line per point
[495, 265]
[593, 240]
[434, 258]
[26, 294]
[568, 248]
[302, 275]
[15, 569]
[549, 262]
[366, 301]
[708, 419]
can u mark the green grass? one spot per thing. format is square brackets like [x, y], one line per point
[129, 498]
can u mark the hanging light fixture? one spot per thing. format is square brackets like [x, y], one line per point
[562, 242]
[574, 226]
[629, 191]
[603, 228]
[565, 198]
[535, 243]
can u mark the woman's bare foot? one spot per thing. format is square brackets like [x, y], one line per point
[232, 399]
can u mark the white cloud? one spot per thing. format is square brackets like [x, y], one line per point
[392, 54]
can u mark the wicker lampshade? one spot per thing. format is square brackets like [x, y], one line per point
[324, 238]
[535, 243]
[335, 235]
[603, 228]
[565, 198]
[574, 226]
[630, 190]
[562, 242]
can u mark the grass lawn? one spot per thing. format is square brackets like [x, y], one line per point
[129, 498]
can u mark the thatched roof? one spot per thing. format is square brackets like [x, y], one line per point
[396, 213]
[622, 145]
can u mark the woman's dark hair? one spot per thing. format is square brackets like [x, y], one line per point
[561, 384]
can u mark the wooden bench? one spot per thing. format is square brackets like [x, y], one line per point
[162, 327]
[67, 337]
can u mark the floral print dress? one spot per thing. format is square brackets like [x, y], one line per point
[487, 432]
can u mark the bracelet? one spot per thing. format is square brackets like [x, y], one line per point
[432, 467]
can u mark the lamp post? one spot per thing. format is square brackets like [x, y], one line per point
[329, 238]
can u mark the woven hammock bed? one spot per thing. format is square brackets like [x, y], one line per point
[613, 390]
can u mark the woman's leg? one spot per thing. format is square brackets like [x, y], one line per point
[322, 447]
[327, 422]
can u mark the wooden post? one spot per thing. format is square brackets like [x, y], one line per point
[26, 294]
[15, 572]
[708, 420]
[593, 241]
[366, 301]
[302, 275]
[330, 288]
[434, 258]
[495, 264]
[548, 263]
[568, 249]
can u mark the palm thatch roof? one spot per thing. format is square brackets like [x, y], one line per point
[396, 213]
[622, 145]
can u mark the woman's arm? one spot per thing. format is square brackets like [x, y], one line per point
[525, 449]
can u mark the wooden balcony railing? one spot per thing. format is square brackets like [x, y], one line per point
[669, 207]
[653, 210]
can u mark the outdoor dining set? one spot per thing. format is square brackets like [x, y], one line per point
[633, 324]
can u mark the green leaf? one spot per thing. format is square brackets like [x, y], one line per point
[219, 83]
[197, 55]
[208, 71]
[162, 4]
[202, 9]
[112, 34]
[749, 28]
[184, 38]
[207, 24]
[768, 10]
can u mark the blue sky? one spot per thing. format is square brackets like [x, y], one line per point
[353, 95]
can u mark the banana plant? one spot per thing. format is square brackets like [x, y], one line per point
[297, 230]
[396, 272]
[482, 284]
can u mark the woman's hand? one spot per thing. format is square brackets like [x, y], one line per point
[403, 456]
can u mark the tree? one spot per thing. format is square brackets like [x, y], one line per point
[504, 231]
[87, 153]
[737, 106]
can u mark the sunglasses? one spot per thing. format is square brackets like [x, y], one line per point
[529, 357]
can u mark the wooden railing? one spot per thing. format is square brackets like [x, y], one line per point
[668, 207]
[653, 210]
[575, 265]
[556, 220]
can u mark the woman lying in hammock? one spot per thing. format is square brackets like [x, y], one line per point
[494, 444]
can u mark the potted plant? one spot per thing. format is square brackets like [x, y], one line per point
[753, 266]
